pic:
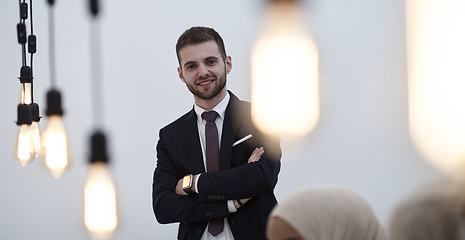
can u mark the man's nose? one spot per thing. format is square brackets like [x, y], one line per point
[203, 71]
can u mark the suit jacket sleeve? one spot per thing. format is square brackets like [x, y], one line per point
[244, 180]
[170, 207]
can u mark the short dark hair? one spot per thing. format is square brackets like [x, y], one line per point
[197, 35]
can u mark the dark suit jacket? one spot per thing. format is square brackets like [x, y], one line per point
[179, 153]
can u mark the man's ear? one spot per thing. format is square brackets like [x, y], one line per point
[228, 63]
[180, 75]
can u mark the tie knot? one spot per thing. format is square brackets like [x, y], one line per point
[210, 116]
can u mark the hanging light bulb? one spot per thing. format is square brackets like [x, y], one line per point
[285, 74]
[436, 86]
[100, 215]
[25, 93]
[25, 97]
[23, 150]
[35, 129]
[55, 147]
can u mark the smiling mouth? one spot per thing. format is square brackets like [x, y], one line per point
[205, 83]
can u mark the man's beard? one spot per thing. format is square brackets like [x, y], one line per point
[218, 85]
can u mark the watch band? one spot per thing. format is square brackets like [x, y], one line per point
[188, 191]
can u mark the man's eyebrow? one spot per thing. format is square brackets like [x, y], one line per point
[189, 62]
[211, 57]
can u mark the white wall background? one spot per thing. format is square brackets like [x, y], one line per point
[361, 142]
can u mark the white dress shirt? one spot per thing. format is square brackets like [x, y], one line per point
[220, 108]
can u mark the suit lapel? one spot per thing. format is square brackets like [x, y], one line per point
[192, 140]
[232, 120]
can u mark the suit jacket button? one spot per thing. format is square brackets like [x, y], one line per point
[198, 232]
[207, 214]
[210, 196]
[212, 213]
[223, 197]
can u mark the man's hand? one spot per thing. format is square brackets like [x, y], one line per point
[179, 189]
[256, 154]
[239, 203]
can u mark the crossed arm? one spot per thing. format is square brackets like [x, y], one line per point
[260, 176]
[256, 154]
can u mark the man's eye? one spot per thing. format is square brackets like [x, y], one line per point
[190, 67]
[211, 62]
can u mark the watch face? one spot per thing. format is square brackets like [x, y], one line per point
[186, 181]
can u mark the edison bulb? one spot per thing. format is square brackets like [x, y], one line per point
[55, 147]
[100, 216]
[435, 50]
[285, 75]
[35, 128]
[23, 151]
[25, 94]
[35, 132]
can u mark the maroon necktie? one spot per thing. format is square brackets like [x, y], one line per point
[212, 153]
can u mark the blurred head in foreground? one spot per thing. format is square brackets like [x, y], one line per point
[432, 212]
[324, 213]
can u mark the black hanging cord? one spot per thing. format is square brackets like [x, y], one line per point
[32, 48]
[30, 14]
[98, 139]
[30, 40]
[96, 66]
[53, 96]
[24, 54]
[25, 111]
[96, 75]
[22, 21]
[32, 81]
[51, 46]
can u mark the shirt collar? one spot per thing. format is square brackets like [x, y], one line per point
[220, 108]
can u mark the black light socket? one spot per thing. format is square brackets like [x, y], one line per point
[54, 103]
[21, 30]
[35, 112]
[31, 44]
[25, 74]
[24, 114]
[51, 2]
[94, 7]
[98, 148]
[23, 10]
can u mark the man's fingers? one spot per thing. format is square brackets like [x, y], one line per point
[179, 189]
[256, 154]
[253, 157]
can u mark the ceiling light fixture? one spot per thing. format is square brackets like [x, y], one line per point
[285, 89]
[56, 152]
[100, 208]
[27, 145]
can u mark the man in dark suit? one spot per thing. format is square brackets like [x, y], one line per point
[233, 200]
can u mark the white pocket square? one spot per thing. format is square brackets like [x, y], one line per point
[242, 139]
